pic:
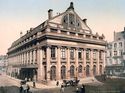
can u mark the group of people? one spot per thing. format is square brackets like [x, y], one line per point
[81, 90]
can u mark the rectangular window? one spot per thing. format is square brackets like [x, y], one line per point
[100, 55]
[110, 53]
[94, 54]
[120, 52]
[115, 45]
[44, 53]
[115, 53]
[88, 54]
[53, 53]
[63, 55]
[120, 44]
[72, 53]
[79, 53]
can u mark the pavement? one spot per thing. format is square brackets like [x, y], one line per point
[52, 84]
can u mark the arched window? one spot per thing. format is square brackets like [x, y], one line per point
[70, 20]
[72, 71]
[63, 72]
[53, 73]
[80, 69]
[100, 69]
[94, 70]
[87, 70]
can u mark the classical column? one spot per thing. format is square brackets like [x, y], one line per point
[18, 61]
[84, 63]
[58, 69]
[48, 62]
[103, 60]
[39, 62]
[27, 58]
[31, 57]
[22, 58]
[34, 56]
[68, 63]
[91, 62]
[97, 62]
[76, 62]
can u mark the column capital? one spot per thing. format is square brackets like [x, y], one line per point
[48, 46]
[68, 47]
[76, 48]
[59, 46]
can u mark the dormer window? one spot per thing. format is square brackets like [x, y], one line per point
[65, 19]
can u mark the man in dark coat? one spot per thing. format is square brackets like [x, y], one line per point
[82, 89]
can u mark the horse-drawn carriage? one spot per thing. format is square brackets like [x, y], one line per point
[70, 82]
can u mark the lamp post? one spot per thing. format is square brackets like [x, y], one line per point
[76, 73]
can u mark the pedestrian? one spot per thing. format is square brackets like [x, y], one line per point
[57, 83]
[62, 88]
[24, 88]
[34, 84]
[77, 90]
[82, 89]
[28, 88]
[21, 89]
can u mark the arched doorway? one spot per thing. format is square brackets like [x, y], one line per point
[72, 68]
[53, 73]
[94, 70]
[100, 69]
[87, 70]
[63, 72]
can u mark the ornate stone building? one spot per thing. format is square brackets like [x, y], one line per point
[62, 47]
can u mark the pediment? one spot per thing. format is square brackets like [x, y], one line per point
[70, 18]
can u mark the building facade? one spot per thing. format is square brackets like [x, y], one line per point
[114, 55]
[3, 64]
[62, 47]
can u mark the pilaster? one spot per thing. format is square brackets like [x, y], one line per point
[39, 62]
[68, 63]
[84, 63]
[58, 64]
[98, 62]
[48, 62]
[91, 62]
[76, 62]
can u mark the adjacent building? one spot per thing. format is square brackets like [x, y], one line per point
[115, 51]
[3, 64]
[62, 47]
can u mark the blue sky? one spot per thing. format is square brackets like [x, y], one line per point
[104, 16]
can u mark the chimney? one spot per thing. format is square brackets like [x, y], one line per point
[50, 13]
[85, 21]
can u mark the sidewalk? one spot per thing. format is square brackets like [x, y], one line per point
[52, 84]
